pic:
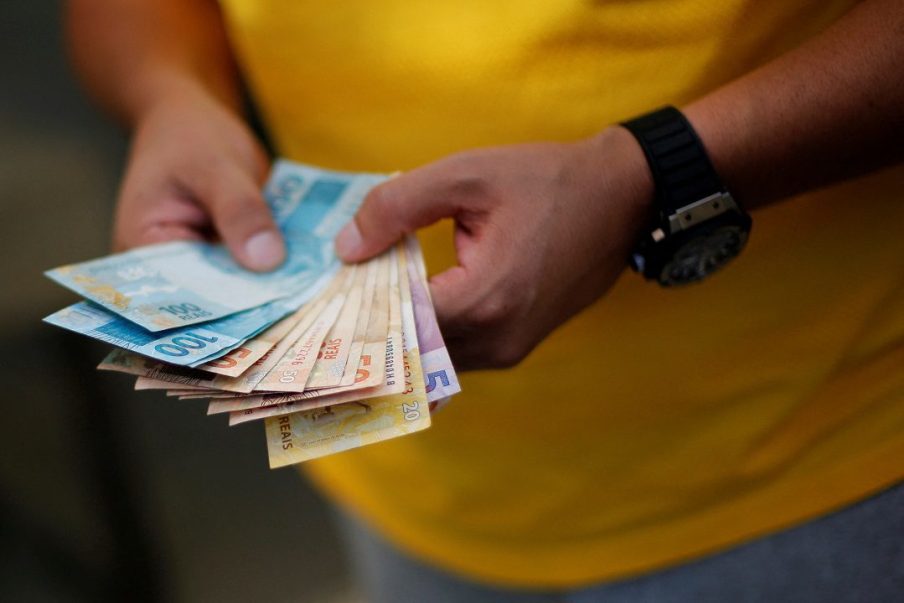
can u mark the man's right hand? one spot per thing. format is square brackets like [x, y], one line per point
[165, 68]
[195, 172]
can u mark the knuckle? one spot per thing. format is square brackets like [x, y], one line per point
[207, 170]
[250, 154]
[489, 312]
[506, 353]
[127, 230]
[376, 199]
[468, 176]
[383, 217]
[238, 199]
[120, 242]
[242, 213]
[381, 202]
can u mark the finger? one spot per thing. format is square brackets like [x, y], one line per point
[461, 352]
[493, 351]
[243, 220]
[392, 209]
[161, 233]
[458, 291]
[450, 291]
[150, 213]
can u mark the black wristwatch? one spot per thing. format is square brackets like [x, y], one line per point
[698, 226]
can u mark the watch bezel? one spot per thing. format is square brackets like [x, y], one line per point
[662, 245]
[690, 200]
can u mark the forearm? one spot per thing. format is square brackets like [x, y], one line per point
[132, 53]
[829, 110]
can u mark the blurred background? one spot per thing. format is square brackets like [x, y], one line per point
[107, 494]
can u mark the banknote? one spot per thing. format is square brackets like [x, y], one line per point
[186, 346]
[242, 358]
[302, 436]
[157, 287]
[178, 346]
[439, 373]
[216, 383]
[182, 283]
[375, 378]
[253, 408]
[440, 377]
[343, 356]
[304, 318]
[381, 344]
[149, 383]
[153, 374]
[432, 351]
[293, 369]
[329, 367]
[359, 339]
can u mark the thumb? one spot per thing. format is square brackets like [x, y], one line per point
[392, 209]
[243, 220]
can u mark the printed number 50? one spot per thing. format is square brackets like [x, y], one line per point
[432, 378]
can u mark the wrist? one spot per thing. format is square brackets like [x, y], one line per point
[698, 227]
[625, 178]
[165, 85]
[726, 133]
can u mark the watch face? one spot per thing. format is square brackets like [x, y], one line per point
[704, 254]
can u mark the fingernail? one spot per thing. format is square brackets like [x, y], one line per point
[264, 251]
[348, 241]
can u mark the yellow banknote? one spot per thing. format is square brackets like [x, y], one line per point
[302, 436]
[334, 351]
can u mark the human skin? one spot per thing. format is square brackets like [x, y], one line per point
[562, 214]
[195, 170]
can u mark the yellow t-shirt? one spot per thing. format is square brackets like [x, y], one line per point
[658, 425]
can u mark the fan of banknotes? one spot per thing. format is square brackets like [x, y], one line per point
[329, 356]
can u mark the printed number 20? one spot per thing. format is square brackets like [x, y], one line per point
[411, 411]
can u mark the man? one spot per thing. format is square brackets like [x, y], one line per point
[641, 427]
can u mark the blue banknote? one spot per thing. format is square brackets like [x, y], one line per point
[186, 346]
[310, 205]
[183, 346]
[170, 285]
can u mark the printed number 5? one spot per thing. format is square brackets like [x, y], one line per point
[432, 378]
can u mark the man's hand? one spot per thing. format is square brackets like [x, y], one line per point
[542, 230]
[195, 172]
[164, 67]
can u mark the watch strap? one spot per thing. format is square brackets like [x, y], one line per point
[682, 171]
